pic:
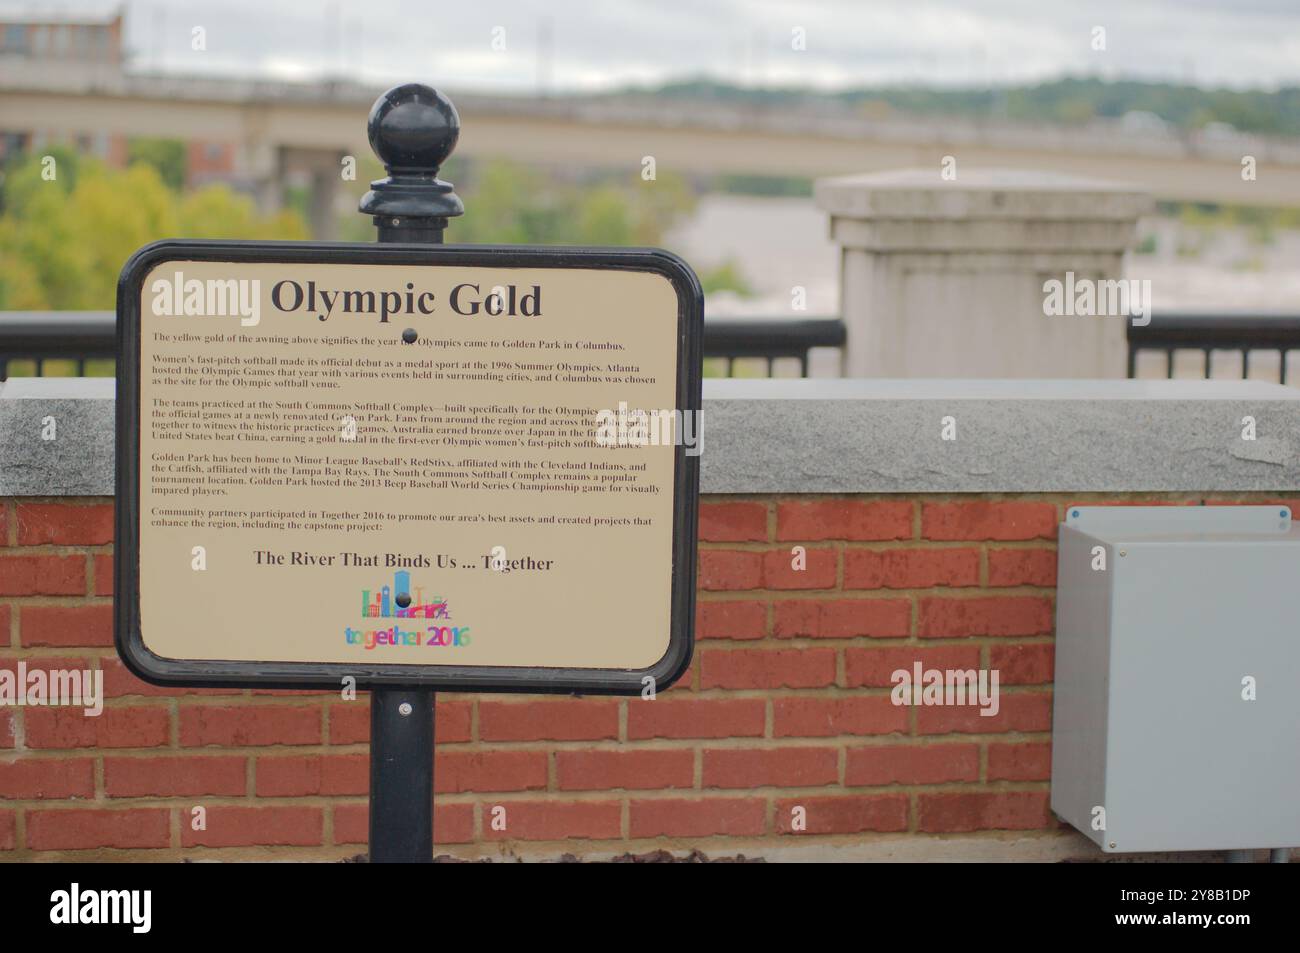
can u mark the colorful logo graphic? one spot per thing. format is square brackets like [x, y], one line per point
[400, 601]
[387, 602]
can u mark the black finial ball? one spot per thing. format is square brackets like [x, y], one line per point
[410, 335]
[413, 128]
[403, 600]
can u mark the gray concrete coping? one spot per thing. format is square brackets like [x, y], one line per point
[979, 193]
[56, 436]
[1011, 436]
[842, 436]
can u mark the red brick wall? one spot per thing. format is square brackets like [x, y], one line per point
[786, 703]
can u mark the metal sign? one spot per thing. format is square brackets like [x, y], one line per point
[467, 468]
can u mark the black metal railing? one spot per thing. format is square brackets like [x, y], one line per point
[771, 340]
[1209, 332]
[79, 336]
[38, 336]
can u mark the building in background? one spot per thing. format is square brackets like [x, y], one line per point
[56, 35]
[44, 39]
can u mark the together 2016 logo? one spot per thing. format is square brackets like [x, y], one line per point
[399, 602]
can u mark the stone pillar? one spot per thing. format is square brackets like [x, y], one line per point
[263, 164]
[946, 278]
[325, 182]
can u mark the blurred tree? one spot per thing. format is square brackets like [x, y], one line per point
[167, 156]
[606, 218]
[63, 241]
[217, 211]
[507, 203]
[726, 276]
[39, 265]
[1067, 99]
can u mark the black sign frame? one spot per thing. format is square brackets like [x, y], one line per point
[157, 670]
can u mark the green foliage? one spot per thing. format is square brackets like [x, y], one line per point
[63, 241]
[167, 156]
[725, 277]
[781, 186]
[217, 211]
[353, 226]
[508, 203]
[1067, 100]
[1260, 223]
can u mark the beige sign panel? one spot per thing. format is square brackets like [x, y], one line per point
[418, 465]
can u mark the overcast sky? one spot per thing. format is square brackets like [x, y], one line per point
[597, 44]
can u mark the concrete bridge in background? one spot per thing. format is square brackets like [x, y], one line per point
[278, 128]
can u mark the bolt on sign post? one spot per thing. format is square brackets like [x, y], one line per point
[407, 466]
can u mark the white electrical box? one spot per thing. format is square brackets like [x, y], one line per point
[1176, 720]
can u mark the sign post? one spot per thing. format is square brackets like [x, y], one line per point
[412, 129]
[405, 466]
